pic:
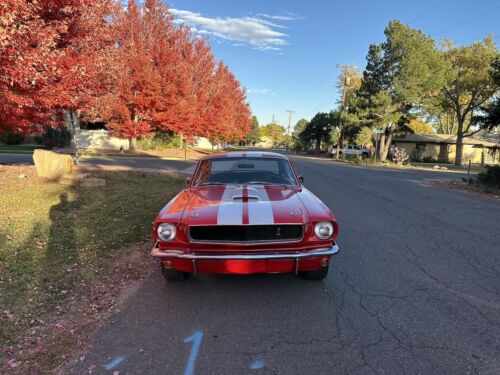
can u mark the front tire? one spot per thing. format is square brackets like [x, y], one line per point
[171, 274]
[315, 274]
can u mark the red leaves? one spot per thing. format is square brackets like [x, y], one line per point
[47, 49]
[131, 68]
[164, 78]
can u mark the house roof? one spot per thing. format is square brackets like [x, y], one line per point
[449, 139]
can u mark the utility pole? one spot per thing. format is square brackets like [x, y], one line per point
[290, 113]
[273, 120]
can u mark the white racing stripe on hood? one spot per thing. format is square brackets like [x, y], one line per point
[230, 212]
[259, 211]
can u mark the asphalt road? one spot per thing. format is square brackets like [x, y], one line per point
[414, 290]
[122, 161]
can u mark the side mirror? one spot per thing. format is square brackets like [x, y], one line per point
[188, 181]
[301, 179]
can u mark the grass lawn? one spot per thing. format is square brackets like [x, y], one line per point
[475, 188]
[18, 149]
[57, 242]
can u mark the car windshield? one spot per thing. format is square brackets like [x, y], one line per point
[245, 170]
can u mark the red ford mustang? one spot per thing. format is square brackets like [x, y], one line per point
[245, 212]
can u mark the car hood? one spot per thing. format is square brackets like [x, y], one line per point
[244, 204]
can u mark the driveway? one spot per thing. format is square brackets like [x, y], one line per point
[415, 289]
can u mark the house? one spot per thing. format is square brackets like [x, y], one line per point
[99, 139]
[94, 135]
[265, 142]
[442, 148]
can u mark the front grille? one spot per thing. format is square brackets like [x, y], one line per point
[245, 233]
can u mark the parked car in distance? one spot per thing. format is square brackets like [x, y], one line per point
[353, 150]
[245, 212]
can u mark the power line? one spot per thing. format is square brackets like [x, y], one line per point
[314, 94]
[468, 20]
[427, 11]
[347, 60]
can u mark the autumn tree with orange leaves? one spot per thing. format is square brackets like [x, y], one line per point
[167, 79]
[51, 59]
[132, 68]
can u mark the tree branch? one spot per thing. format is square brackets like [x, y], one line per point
[471, 134]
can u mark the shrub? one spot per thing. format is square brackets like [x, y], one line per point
[490, 177]
[429, 159]
[353, 158]
[11, 138]
[160, 140]
[56, 137]
[416, 156]
[400, 156]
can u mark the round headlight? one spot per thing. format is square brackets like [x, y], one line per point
[323, 230]
[166, 231]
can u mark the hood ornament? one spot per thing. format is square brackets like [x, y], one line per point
[195, 214]
[293, 213]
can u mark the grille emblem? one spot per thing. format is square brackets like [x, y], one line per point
[278, 232]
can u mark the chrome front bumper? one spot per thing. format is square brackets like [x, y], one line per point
[324, 251]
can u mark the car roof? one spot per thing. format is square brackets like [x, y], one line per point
[245, 154]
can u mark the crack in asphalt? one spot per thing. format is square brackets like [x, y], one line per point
[474, 262]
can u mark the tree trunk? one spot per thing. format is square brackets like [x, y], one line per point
[132, 144]
[318, 145]
[458, 150]
[381, 146]
[460, 139]
[385, 144]
[340, 143]
[72, 124]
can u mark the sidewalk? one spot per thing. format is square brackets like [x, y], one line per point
[18, 149]
[167, 154]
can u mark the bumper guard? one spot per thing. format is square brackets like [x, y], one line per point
[179, 254]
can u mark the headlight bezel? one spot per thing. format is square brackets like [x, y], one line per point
[322, 225]
[164, 227]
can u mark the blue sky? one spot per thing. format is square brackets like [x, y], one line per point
[285, 52]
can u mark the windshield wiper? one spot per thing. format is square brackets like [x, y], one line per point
[266, 183]
[258, 183]
[211, 183]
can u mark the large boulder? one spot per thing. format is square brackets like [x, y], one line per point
[52, 165]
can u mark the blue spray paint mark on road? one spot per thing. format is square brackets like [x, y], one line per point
[257, 364]
[195, 338]
[115, 362]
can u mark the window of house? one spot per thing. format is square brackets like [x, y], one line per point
[421, 146]
[84, 125]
